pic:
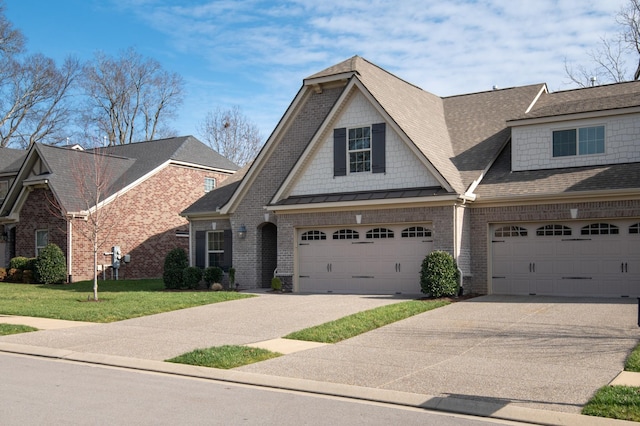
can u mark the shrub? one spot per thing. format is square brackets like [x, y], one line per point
[19, 262]
[212, 274]
[276, 284]
[232, 278]
[28, 277]
[14, 275]
[174, 263]
[439, 275]
[3, 274]
[216, 287]
[50, 266]
[191, 276]
[30, 265]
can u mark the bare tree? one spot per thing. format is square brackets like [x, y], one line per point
[93, 178]
[231, 134]
[34, 92]
[609, 60]
[130, 97]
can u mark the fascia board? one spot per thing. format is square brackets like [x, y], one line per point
[432, 201]
[328, 79]
[572, 117]
[200, 166]
[266, 151]
[559, 198]
[542, 90]
[475, 183]
[16, 187]
[205, 216]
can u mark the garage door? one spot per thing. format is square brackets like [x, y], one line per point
[368, 260]
[598, 259]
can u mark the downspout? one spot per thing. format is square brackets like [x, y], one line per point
[69, 250]
[456, 231]
[190, 250]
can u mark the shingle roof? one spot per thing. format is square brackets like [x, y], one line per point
[363, 196]
[11, 159]
[598, 98]
[500, 181]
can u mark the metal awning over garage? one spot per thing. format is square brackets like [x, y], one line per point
[380, 259]
[578, 258]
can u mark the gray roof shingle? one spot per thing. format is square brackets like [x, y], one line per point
[11, 159]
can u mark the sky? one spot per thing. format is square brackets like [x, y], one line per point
[255, 53]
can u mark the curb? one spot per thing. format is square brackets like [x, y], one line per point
[470, 407]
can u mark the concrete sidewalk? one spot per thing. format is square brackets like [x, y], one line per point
[530, 359]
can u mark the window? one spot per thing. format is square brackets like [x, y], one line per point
[42, 239]
[553, 230]
[4, 188]
[635, 228]
[313, 235]
[359, 146]
[510, 231]
[600, 229]
[346, 234]
[215, 248]
[581, 141]
[209, 184]
[379, 233]
[416, 231]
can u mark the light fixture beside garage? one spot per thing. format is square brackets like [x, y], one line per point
[358, 219]
[242, 231]
[574, 213]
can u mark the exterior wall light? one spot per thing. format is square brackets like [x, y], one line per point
[242, 232]
[358, 219]
[574, 213]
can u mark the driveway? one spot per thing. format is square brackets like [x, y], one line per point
[537, 352]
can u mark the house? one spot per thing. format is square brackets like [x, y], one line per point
[532, 192]
[147, 185]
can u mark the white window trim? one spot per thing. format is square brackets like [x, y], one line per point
[577, 129]
[210, 179]
[209, 233]
[349, 151]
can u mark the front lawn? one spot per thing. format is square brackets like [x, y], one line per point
[119, 300]
[6, 329]
[225, 357]
[361, 322]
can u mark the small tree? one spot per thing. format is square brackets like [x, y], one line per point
[51, 266]
[439, 275]
[174, 263]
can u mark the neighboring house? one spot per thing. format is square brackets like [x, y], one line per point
[532, 192]
[147, 185]
[10, 162]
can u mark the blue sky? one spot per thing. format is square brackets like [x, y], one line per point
[255, 53]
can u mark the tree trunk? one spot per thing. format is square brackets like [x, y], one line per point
[95, 271]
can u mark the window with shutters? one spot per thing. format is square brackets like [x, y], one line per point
[359, 147]
[215, 248]
[359, 150]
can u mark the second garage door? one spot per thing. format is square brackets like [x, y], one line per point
[368, 260]
[600, 259]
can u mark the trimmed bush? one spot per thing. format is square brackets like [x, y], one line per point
[19, 262]
[191, 277]
[212, 274]
[3, 274]
[14, 275]
[174, 263]
[276, 284]
[232, 278]
[439, 275]
[50, 267]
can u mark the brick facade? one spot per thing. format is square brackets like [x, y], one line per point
[143, 222]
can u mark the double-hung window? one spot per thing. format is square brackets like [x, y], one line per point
[42, 239]
[209, 184]
[215, 248]
[359, 145]
[579, 141]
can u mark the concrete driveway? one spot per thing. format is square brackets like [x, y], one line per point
[537, 352]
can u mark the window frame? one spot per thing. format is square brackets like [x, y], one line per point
[507, 231]
[207, 186]
[576, 148]
[355, 151]
[40, 247]
[346, 234]
[215, 251]
[313, 235]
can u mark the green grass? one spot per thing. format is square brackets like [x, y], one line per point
[615, 402]
[119, 300]
[633, 360]
[6, 329]
[225, 357]
[361, 322]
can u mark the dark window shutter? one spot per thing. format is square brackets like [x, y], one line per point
[340, 152]
[227, 259]
[378, 142]
[201, 248]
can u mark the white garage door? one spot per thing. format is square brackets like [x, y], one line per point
[367, 260]
[599, 259]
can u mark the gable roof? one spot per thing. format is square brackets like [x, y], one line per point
[11, 160]
[125, 165]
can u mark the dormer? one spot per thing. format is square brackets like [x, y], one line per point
[582, 127]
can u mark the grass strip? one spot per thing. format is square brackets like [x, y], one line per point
[615, 402]
[225, 357]
[361, 322]
[633, 360]
[119, 300]
[6, 329]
